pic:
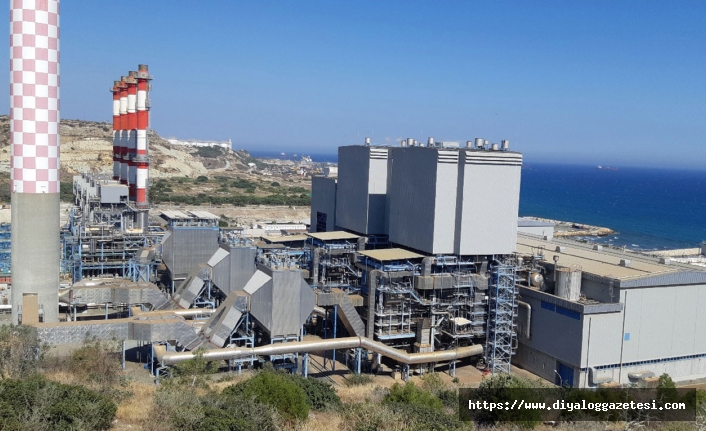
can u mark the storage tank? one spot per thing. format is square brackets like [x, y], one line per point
[568, 283]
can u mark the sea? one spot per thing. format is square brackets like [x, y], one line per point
[649, 208]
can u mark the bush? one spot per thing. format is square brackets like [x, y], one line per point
[412, 395]
[20, 351]
[98, 363]
[319, 395]
[275, 390]
[202, 179]
[358, 380]
[195, 372]
[36, 403]
[495, 389]
[274, 184]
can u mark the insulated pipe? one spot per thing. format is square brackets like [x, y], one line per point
[172, 358]
[34, 140]
[116, 130]
[132, 133]
[123, 132]
[529, 317]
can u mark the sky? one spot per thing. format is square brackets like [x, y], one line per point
[616, 83]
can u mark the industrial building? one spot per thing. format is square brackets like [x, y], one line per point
[413, 261]
[604, 316]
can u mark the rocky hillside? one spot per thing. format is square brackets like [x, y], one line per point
[87, 146]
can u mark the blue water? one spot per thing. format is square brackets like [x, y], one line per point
[315, 157]
[650, 208]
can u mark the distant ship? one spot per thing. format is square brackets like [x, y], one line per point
[607, 168]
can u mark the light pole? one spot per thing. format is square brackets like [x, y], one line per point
[561, 381]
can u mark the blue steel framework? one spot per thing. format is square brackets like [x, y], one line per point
[5, 247]
[502, 309]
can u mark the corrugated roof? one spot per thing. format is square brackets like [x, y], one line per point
[601, 263]
[204, 215]
[178, 215]
[324, 236]
[390, 254]
[284, 238]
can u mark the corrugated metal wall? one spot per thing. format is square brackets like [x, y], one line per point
[187, 247]
[323, 200]
[362, 188]
[488, 202]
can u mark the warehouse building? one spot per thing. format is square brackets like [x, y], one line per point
[605, 316]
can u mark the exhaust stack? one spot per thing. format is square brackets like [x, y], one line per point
[34, 134]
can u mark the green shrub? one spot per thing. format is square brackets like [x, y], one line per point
[202, 179]
[358, 380]
[319, 395]
[494, 389]
[412, 395]
[42, 404]
[274, 184]
[419, 417]
[20, 351]
[98, 363]
[273, 389]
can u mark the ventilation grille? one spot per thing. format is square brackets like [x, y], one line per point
[447, 157]
[378, 153]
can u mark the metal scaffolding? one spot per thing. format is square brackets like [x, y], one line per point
[502, 309]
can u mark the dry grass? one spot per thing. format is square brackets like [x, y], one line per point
[133, 410]
[321, 421]
[358, 394]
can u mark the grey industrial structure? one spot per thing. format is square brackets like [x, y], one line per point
[413, 259]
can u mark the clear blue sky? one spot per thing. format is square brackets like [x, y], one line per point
[595, 82]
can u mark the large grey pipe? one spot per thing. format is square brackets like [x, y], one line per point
[372, 287]
[315, 267]
[172, 358]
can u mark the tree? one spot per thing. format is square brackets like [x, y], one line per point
[21, 351]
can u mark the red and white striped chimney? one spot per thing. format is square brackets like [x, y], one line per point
[34, 174]
[116, 131]
[123, 132]
[132, 132]
[142, 159]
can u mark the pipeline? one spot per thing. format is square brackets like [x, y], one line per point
[172, 358]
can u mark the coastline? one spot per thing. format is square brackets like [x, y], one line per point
[564, 229]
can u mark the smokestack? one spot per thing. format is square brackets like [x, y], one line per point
[124, 171]
[132, 133]
[34, 135]
[142, 159]
[116, 130]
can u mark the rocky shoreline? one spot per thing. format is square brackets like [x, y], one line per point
[563, 229]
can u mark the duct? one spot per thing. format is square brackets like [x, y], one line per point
[529, 318]
[189, 289]
[426, 266]
[224, 321]
[160, 328]
[348, 314]
[315, 266]
[361, 243]
[172, 358]
[281, 300]
[372, 288]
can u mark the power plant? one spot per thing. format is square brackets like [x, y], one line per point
[415, 260]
